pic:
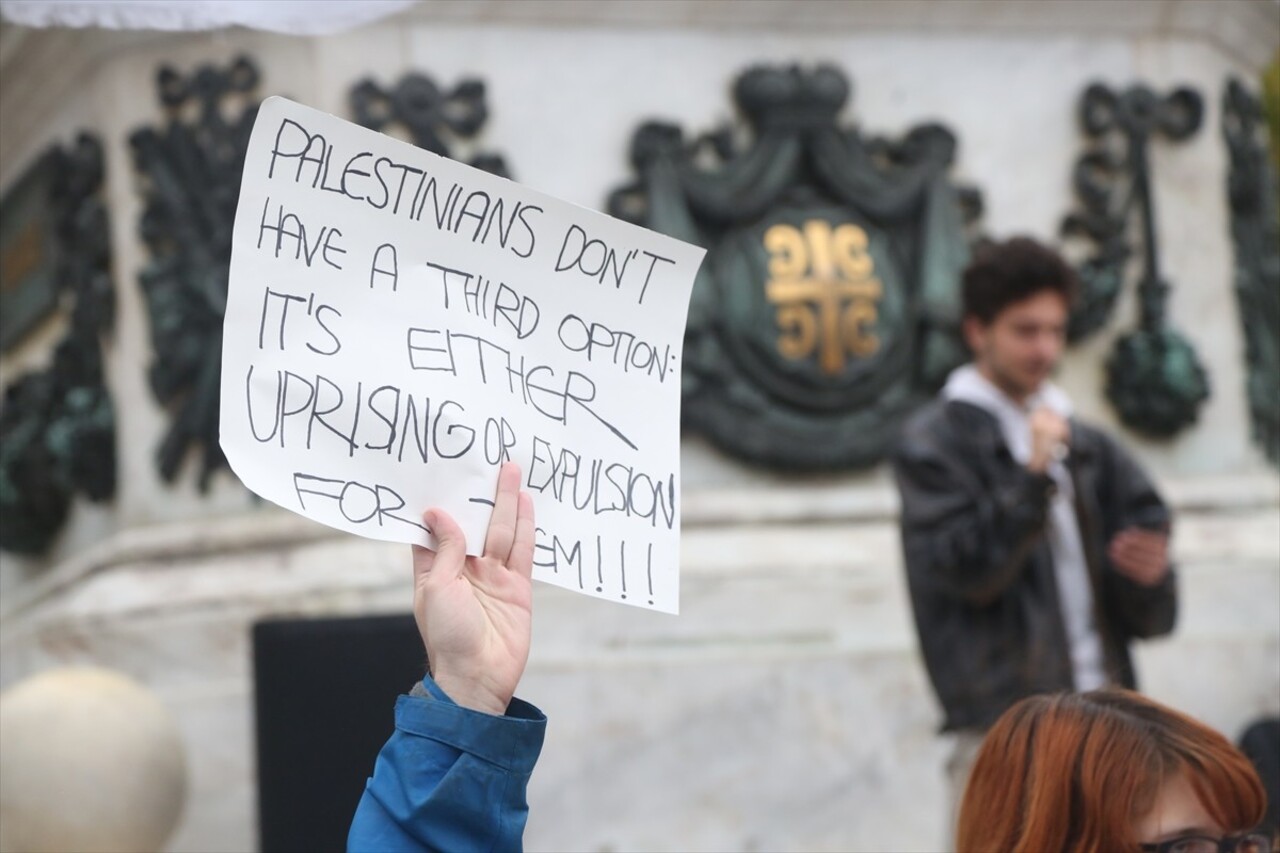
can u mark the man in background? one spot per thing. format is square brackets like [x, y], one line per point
[1035, 547]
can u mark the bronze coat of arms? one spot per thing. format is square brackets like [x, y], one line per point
[828, 307]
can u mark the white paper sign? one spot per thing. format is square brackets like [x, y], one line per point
[399, 324]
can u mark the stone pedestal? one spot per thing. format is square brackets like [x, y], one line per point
[786, 707]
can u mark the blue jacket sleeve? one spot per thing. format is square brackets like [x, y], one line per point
[450, 778]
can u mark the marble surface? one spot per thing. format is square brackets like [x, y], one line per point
[786, 707]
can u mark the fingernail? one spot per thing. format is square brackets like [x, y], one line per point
[429, 518]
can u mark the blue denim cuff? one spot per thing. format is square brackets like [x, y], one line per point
[512, 741]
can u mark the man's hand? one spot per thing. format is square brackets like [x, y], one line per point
[475, 613]
[1141, 555]
[1050, 434]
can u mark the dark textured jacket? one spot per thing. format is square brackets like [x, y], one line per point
[980, 570]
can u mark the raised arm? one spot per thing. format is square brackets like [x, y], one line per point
[453, 775]
[475, 613]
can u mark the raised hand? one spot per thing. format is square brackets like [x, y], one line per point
[1141, 555]
[475, 613]
[1050, 434]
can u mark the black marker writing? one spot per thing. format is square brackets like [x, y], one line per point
[385, 265]
[478, 359]
[551, 551]
[653, 261]
[499, 439]
[356, 502]
[402, 190]
[550, 555]
[621, 349]
[329, 344]
[649, 572]
[495, 301]
[397, 420]
[601, 487]
[291, 233]
[605, 264]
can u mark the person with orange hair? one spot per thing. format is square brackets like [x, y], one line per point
[1109, 770]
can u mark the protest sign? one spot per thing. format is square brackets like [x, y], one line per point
[399, 324]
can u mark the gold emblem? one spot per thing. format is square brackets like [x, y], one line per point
[22, 256]
[823, 282]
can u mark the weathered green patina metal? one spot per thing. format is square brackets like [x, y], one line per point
[1100, 185]
[828, 307]
[1154, 377]
[192, 170]
[1252, 192]
[28, 261]
[57, 426]
[432, 116]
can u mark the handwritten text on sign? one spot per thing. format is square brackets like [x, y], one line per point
[398, 325]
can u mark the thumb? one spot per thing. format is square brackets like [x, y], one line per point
[451, 546]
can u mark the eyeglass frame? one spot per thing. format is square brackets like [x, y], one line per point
[1226, 844]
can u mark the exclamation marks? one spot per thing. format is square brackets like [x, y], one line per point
[622, 562]
[599, 567]
[626, 590]
[649, 572]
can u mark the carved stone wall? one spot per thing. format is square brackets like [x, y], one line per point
[794, 622]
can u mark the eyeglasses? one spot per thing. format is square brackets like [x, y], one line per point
[1253, 842]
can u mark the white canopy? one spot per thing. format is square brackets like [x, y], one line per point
[296, 17]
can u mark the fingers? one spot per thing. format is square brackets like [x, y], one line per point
[521, 559]
[1132, 562]
[1135, 554]
[502, 524]
[1141, 554]
[1050, 438]
[1050, 426]
[451, 547]
[423, 560]
[1147, 540]
[1140, 543]
[508, 543]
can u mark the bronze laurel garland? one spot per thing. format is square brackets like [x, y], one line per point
[431, 116]
[191, 169]
[1154, 378]
[794, 174]
[57, 426]
[1252, 191]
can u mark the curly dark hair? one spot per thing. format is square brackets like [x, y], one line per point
[1003, 273]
